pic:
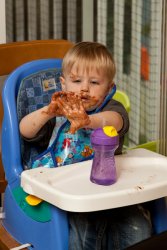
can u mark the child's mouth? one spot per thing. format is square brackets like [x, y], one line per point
[85, 99]
[88, 101]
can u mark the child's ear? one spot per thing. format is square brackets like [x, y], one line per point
[110, 86]
[62, 80]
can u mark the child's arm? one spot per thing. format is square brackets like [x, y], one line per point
[106, 118]
[62, 104]
[33, 122]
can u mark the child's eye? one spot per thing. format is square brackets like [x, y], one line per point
[77, 81]
[95, 82]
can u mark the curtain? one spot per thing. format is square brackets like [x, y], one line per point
[131, 31]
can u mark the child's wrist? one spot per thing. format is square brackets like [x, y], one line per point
[89, 122]
[45, 111]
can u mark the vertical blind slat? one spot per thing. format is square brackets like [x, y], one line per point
[79, 20]
[64, 19]
[51, 18]
[14, 20]
[163, 102]
[38, 19]
[25, 4]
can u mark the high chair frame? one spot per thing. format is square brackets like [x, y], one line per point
[13, 55]
[17, 53]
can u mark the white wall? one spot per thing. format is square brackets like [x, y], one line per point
[2, 22]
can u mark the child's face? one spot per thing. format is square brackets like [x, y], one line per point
[92, 84]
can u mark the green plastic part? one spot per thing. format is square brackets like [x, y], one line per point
[41, 212]
[152, 146]
[122, 97]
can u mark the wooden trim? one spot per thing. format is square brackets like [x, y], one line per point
[17, 53]
[3, 182]
[6, 241]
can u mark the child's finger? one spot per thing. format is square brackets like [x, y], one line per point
[81, 107]
[56, 95]
[76, 103]
[66, 109]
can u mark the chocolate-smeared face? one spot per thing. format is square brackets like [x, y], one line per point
[92, 86]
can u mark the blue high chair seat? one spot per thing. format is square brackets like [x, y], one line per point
[44, 226]
[35, 91]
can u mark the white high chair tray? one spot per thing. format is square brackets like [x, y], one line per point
[142, 176]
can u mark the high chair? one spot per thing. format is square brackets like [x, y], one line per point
[141, 173]
[12, 56]
[122, 97]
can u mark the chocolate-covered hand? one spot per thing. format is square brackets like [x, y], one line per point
[74, 111]
[73, 107]
[54, 107]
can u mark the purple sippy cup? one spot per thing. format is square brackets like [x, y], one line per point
[104, 142]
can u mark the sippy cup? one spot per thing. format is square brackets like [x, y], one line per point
[104, 142]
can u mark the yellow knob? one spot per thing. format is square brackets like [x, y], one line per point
[33, 200]
[110, 131]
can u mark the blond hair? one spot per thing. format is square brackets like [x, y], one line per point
[91, 55]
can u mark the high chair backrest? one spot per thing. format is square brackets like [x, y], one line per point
[17, 53]
[35, 91]
[23, 93]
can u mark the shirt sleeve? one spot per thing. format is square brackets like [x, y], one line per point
[43, 136]
[116, 106]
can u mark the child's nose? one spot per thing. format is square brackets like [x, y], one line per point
[85, 87]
